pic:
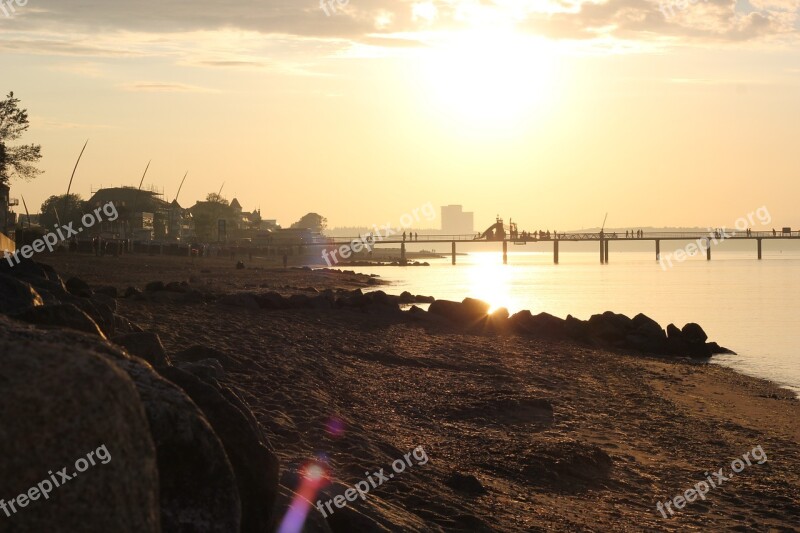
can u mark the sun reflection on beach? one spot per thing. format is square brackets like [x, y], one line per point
[490, 281]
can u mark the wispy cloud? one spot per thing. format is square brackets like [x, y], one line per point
[163, 87]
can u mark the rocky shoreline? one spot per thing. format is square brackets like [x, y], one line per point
[225, 388]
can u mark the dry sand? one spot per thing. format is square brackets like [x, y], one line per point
[563, 437]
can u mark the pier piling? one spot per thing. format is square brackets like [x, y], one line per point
[454, 252]
[759, 249]
[708, 249]
[606, 251]
[505, 252]
[555, 252]
[658, 250]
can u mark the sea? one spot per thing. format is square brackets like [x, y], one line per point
[747, 305]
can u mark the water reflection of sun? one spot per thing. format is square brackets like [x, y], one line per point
[490, 280]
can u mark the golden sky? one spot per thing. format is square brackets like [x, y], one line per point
[552, 112]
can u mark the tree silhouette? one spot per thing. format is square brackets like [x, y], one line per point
[311, 221]
[62, 209]
[16, 161]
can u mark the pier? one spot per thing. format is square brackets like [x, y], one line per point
[703, 240]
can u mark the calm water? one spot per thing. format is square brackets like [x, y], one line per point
[746, 305]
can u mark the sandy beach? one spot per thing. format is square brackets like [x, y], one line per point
[522, 433]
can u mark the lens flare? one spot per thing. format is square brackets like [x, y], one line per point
[313, 476]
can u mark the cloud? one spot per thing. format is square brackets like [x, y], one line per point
[163, 87]
[306, 24]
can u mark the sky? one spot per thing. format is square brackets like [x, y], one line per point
[551, 112]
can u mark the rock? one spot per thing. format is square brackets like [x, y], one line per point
[610, 327]
[254, 463]
[52, 292]
[132, 292]
[106, 300]
[122, 325]
[241, 300]
[63, 315]
[466, 483]
[271, 300]
[420, 299]
[576, 329]
[381, 298]
[407, 298]
[694, 333]
[154, 286]
[175, 286]
[646, 343]
[61, 402]
[715, 348]
[501, 313]
[468, 312]
[547, 325]
[321, 302]
[542, 325]
[197, 487]
[355, 298]
[146, 345]
[109, 291]
[644, 323]
[299, 301]
[475, 308]
[674, 333]
[17, 296]
[97, 311]
[78, 287]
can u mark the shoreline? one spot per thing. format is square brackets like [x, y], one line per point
[524, 432]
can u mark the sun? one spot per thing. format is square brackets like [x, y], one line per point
[489, 76]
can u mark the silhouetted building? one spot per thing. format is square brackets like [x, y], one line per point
[4, 212]
[7, 218]
[143, 215]
[455, 221]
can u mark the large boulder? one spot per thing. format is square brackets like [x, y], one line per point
[576, 329]
[610, 327]
[197, 487]
[17, 296]
[694, 333]
[61, 315]
[468, 312]
[254, 462]
[78, 287]
[541, 325]
[647, 336]
[146, 345]
[66, 406]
